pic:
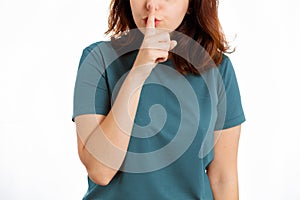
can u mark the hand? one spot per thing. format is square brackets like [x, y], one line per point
[156, 45]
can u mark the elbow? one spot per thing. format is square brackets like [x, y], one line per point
[224, 181]
[100, 179]
[100, 175]
[221, 179]
[217, 177]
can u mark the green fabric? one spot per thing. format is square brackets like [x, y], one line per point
[171, 143]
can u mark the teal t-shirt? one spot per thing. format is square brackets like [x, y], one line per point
[171, 142]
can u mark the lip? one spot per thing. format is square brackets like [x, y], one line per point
[156, 21]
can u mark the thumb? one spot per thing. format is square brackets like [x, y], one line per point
[173, 44]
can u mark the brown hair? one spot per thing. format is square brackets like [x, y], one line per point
[200, 23]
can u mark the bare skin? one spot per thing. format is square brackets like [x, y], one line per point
[116, 127]
[222, 171]
[103, 160]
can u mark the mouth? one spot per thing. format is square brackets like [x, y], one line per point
[156, 21]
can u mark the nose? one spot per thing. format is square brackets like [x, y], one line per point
[152, 5]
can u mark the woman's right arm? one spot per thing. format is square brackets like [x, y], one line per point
[103, 158]
[103, 140]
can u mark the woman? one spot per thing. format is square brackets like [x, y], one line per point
[157, 109]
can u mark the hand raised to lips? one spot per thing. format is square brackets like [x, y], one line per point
[156, 44]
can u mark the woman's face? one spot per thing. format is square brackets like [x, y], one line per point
[168, 13]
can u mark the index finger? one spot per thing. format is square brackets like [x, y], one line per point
[150, 21]
[150, 25]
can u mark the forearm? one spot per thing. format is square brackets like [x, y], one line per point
[104, 148]
[122, 114]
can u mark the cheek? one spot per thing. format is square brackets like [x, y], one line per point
[136, 13]
[135, 17]
[177, 18]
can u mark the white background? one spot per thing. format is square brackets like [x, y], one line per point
[40, 46]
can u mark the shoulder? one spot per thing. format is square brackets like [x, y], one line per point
[88, 49]
[96, 46]
[98, 51]
[226, 68]
[226, 63]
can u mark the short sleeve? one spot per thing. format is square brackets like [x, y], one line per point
[91, 91]
[229, 108]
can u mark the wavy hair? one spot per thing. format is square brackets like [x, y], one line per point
[201, 23]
